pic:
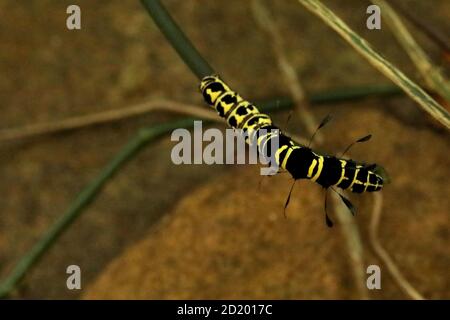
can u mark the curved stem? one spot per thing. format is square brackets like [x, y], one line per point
[178, 39]
[401, 281]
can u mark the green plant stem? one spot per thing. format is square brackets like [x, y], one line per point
[178, 39]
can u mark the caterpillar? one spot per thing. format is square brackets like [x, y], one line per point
[300, 161]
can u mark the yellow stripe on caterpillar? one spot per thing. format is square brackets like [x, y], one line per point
[343, 177]
[319, 169]
[283, 165]
[311, 168]
[278, 152]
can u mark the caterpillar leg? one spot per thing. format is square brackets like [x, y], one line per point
[288, 199]
[328, 221]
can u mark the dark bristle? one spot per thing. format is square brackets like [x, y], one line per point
[348, 204]
[328, 221]
[364, 139]
[325, 121]
[288, 199]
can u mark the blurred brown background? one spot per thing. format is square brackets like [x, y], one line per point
[165, 231]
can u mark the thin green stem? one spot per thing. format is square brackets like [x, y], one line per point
[178, 39]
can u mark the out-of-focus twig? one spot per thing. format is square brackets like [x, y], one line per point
[390, 71]
[424, 25]
[266, 23]
[401, 281]
[432, 75]
[349, 227]
[282, 103]
[104, 117]
[173, 33]
[352, 237]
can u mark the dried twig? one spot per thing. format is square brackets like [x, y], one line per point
[266, 23]
[354, 245]
[276, 104]
[432, 75]
[401, 281]
[104, 117]
[395, 75]
[439, 38]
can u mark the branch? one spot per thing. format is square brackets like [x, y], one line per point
[265, 22]
[362, 47]
[104, 117]
[353, 241]
[275, 104]
[198, 65]
[430, 73]
[439, 38]
[398, 277]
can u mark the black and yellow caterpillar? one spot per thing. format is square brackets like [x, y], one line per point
[300, 161]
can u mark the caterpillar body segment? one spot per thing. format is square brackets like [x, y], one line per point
[300, 161]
